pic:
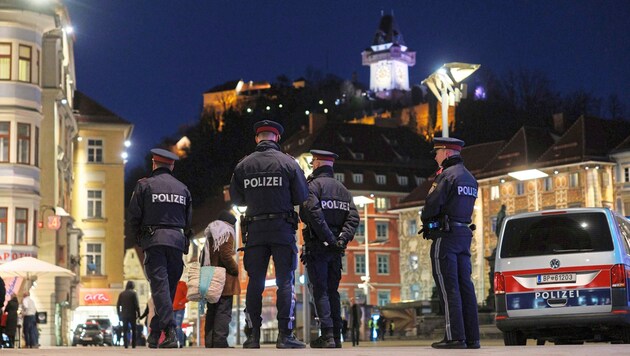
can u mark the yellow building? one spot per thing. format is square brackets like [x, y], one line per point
[231, 95]
[98, 207]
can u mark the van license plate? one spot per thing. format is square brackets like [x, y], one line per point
[557, 278]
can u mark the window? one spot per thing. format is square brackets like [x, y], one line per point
[412, 227]
[359, 264]
[382, 204]
[419, 180]
[359, 294]
[381, 179]
[574, 180]
[520, 188]
[36, 146]
[494, 192]
[95, 203]
[344, 264]
[357, 178]
[358, 155]
[384, 297]
[547, 184]
[24, 63]
[34, 228]
[95, 151]
[343, 296]
[94, 256]
[4, 223]
[340, 177]
[21, 226]
[5, 137]
[36, 68]
[24, 144]
[382, 231]
[493, 223]
[5, 61]
[403, 180]
[626, 174]
[414, 290]
[359, 234]
[414, 262]
[382, 264]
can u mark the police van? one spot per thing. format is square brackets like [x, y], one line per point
[562, 276]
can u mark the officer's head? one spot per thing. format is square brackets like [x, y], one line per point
[268, 130]
[322, 158]
[163, 158]
[130, 285]
[445, 147]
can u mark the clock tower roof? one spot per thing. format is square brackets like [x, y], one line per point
[388, 32]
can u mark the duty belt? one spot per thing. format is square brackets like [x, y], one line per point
[152, 228]
[458, 224]
[268, 217]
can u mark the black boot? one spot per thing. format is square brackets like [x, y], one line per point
[170, 341]
[208, 339]
[253, 339]
[153, 339]
[337, 337]
[286, 340]
[326, 341]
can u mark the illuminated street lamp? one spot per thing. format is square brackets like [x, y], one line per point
[238, 211]
[363, 201]
[445, 83]
[530, 174]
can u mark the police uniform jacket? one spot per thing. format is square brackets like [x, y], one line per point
[329, 210]
[453, 193]
[269, 181]
[163, 203]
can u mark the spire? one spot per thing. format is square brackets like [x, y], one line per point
[388, 31]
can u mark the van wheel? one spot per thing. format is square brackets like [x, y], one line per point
[514, 338]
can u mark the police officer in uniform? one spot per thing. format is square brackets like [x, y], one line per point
[331, 219]
[270, 183]
[446, 219]
[159, 217]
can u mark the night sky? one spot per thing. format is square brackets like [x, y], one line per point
[150, 61]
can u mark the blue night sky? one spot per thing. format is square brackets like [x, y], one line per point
[150, 61]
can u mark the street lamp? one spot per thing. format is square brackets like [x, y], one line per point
[238, 211]
[445, 85]
[530, 174]
[364, 201]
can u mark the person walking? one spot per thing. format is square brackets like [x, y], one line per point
[10, 326]
[332, 220]
[446, 219]
[355, 323]
[179, 310]
[219, 251]
[159, 217]
[128, 309]
[29, 320]
[270, 183]
[381, 327]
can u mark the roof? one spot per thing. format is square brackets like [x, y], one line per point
[476, 156]
[388, 32]
[230, 85]
[90, 111]
[417, 196]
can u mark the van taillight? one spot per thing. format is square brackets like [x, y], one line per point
[499, 283]
[617, 276]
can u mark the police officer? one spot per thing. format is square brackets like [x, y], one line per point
[159, 218]
[446, 217]
[270, 183]
[331, 219]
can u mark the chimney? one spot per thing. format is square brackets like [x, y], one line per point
[558, 122]
[315, 122]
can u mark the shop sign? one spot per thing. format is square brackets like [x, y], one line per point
[97, 296]
[7, 255]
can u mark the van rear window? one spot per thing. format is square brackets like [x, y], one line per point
[556, 234]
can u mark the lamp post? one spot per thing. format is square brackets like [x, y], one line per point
[364, 201]
[238, 211]
[530, 174]
[445, 85]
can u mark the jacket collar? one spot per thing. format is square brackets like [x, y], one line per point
[268, 145]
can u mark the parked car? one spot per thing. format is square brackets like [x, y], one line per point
[87, 334]
[106, 329]
[563, 276]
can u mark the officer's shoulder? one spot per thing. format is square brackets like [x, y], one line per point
[291, 157]
[241, 160]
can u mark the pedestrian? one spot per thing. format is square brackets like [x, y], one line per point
[344, 329]
[392, 327]
[219, 251]
[159, 217]
[3, 293]
[355, 322]
[332, 220]
[128, 310]
[270, 183]
[373, 329]
[29, 321]
[179, 310]
[381, 327]
[446, 219]
[10, 326]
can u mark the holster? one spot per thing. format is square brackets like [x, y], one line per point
[244, 230]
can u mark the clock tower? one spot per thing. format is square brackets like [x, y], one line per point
[389, 59]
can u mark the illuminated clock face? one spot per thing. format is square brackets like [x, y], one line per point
[400, 75]
[383, 76]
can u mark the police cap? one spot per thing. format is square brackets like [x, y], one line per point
[324, 155]
[268, 126]
[450, 143]
[226, 216]
[164, 156]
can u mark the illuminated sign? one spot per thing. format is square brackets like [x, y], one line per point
[10, 254]
[54, 222]
[97, 296]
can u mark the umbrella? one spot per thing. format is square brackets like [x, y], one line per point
[27, 267]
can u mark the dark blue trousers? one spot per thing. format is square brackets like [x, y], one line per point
[450, 259]
[163, 265]
[256, 261]
[324, 274]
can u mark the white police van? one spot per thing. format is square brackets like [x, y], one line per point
[563, 276]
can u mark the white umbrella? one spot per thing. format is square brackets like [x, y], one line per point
[27, 267]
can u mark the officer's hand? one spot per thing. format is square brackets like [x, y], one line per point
[341, 245]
